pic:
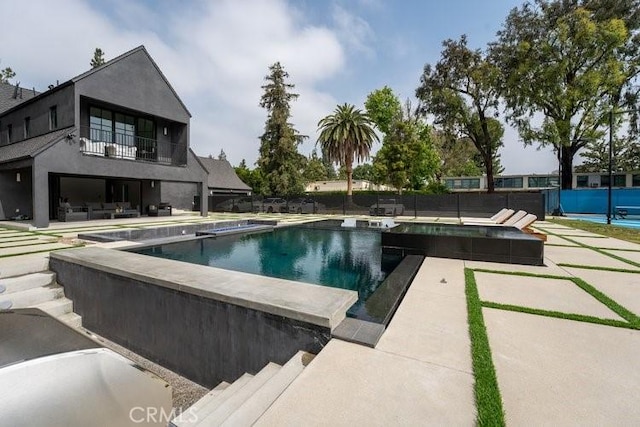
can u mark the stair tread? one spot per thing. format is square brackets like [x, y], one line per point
[199, 408]
[222, 410]
[27, 281]
[56, 307]
[257, 404]
[34, 296]
[71, 319]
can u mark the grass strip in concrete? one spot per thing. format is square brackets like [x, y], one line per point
[602, 298]
[610, 230]
[561, 315]
[37, 252]
[486, 390]
[591, 267]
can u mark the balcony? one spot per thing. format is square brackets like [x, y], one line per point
[103, 143]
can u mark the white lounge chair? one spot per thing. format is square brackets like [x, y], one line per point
[525, 222]
[515, 218]
[387, 223]
[349, 222]
[501, 216]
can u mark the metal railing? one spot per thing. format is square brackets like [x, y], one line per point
[105, 143]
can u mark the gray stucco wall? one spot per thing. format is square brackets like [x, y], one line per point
[205, 340]
[15, 197]
[133, 82]
[38, 111]
[179, 194]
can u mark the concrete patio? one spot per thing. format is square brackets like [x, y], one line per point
[563, 354]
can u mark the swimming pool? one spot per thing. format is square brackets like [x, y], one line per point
[339, 258]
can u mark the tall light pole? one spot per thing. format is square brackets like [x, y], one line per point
[612, 112]
[610, 189]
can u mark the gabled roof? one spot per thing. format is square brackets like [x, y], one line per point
[32, 146]
[222, 175]
[11, 95]
[124, 55]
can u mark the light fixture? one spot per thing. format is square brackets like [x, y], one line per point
[18, 177]
[165, 130]
[153, 184]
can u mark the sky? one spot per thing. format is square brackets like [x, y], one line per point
[216, 55]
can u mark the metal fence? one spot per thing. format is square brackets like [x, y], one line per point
[381, 204]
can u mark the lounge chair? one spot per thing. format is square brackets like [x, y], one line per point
[501, 216]
[349, 222]
[515, 218]
[387, 223]
[525, 222]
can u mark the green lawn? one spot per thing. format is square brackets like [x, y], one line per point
[610, 230]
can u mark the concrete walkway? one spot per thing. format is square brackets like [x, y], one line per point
[564, 340]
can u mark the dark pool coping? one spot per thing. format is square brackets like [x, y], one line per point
[170, 231]
[314, 304]
[386, 299]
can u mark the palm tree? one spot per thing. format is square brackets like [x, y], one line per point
[345, 135]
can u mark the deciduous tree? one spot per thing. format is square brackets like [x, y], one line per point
[569, 61]
[461, 92]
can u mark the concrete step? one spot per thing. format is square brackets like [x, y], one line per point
[31, 297]
[72, 319]
[215, 414]
[256, 405]
[25, 264]
[195, 412]
[56, 307]
[28, 281]
[202, 402]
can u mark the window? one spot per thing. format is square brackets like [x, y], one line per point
[146, 128]
[515, 182]
[635, 181]
[618, 180]
[582, 181]
[53, 118]
[27, 127]
[542, 181]
[9, 132]
[101, 124]
[462, 183]
[125, 130]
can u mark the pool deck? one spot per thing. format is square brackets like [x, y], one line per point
[550, 369]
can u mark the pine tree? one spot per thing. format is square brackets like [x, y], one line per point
[98, 58]
[279, 160]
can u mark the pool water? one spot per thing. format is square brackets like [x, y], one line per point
[339, 258]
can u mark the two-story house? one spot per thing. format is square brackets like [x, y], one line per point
[116, 133]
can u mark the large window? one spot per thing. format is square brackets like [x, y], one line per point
[635, 180]
[146, 128]
[125, 130]
[582, 181]
[101, 124]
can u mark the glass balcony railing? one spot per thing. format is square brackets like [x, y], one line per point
[105, 143]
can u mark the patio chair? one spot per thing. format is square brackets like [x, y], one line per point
[387, 223]
[525, 222]
[499, 218]
[349, 222]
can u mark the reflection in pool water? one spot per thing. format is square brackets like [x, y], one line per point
[347, 259]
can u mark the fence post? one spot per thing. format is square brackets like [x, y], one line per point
[458, 203]
[415, 205]
[344, 204]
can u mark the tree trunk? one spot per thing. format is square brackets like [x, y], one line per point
[567, 168]
[488, 165]
[348, 164]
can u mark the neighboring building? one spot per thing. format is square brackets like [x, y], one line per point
[341, 185]
[223, 179]
[538, 182]
[116, 133]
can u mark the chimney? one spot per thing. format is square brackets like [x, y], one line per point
[15, 91]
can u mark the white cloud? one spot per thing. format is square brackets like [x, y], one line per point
[215, 54]
[353, 30]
